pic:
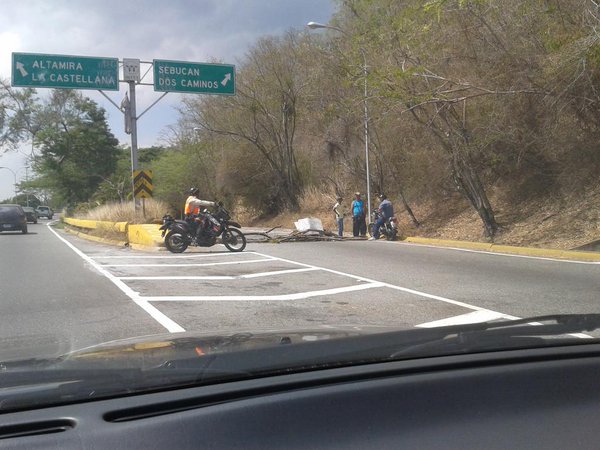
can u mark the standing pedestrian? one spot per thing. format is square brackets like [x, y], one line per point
[359, 223]
[340, 213]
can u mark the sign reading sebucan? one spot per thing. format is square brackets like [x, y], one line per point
[64, 71]
[198, 78]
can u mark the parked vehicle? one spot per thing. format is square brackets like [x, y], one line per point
[179, 234]
[31, 214]
[44, 211]
[389, 229]
[13, 218]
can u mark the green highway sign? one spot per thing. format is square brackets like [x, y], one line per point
[194, 78]
[64, 71]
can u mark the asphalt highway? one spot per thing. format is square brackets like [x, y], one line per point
[60, 293]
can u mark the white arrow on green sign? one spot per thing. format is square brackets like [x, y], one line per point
[64, 71]
[194, 78]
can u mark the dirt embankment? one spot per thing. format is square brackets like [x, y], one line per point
[566, 222]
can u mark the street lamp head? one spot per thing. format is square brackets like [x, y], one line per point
[315, 25]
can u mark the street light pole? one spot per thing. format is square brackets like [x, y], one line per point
[315, 25]
[15, 177]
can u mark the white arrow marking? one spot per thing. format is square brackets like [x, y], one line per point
[226, 79]
[21, 68]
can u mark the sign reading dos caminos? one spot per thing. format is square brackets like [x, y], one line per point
[194, 78]
[64, 71]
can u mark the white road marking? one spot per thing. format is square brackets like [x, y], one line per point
[485, 252]
[282, 297]
[198, 255]
[219, 277]
[277, 272]
[222, 263]
[482, 316]
[472, 317]
[479, 314]
[421, 294]
[165, 321]
[388, 285]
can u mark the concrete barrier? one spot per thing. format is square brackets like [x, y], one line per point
[145, 236]
[120, 227]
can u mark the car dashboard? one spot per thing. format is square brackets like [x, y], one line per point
[536, 398]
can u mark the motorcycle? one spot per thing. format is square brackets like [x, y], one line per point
[179, 234]
[389, 229]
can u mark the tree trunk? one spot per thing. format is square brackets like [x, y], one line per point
[470, 186]
[409, 210]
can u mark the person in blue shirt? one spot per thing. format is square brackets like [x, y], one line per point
[359, 223]
[386, 211]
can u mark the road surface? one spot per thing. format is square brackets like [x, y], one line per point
[62, 293]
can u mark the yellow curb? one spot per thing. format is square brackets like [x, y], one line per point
[121, 227]
[89, 237]
[509, 249]
[449, 243]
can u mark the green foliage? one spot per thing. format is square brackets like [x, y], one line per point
[77, 150]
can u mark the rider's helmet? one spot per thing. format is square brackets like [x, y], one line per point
[382, 196]
[194, 191]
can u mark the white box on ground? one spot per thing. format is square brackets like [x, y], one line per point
[309, 223]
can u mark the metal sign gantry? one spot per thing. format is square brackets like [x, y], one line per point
[41, 70]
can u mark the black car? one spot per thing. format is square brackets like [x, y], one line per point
[13, 218]
[31, 214]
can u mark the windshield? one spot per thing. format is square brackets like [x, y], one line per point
[238, 177]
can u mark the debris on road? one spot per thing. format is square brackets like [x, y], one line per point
[306, 235]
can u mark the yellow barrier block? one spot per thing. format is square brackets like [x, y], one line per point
[147, 235]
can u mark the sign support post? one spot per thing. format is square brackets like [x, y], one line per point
[134, 149]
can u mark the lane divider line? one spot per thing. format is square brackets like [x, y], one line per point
[198, 255]
[162, 319]
[222, 263]
[472, 317]
[218, 277]
[282, 297]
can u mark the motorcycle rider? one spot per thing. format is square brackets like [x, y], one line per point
[192, 208]
[386, 212]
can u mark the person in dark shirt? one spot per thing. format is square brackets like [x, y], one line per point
[386, 211]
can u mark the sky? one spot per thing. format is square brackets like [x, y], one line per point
[185, 30]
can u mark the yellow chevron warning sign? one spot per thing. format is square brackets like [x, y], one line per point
[142, 183]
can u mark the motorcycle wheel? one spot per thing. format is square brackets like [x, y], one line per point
[393, 235]
[234, 240]
[176, 242]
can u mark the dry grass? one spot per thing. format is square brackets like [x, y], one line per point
[124, 212]
[563, 223]
[313, 203]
